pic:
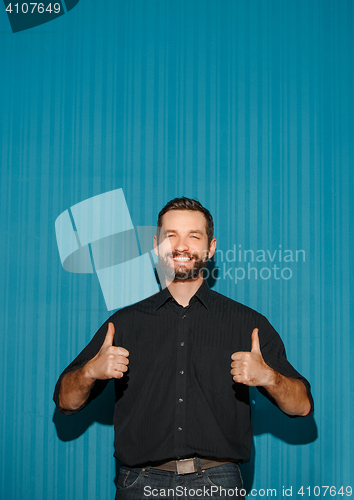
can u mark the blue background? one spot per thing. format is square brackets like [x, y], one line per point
[246, 105]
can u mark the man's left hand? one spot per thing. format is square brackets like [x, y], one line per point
[249, 368]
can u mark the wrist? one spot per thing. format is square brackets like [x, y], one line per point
[272, 379]
[88, 374]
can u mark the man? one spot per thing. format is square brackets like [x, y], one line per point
[182, 421]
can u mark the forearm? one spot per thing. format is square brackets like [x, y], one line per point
[75, 389]
[289, 393]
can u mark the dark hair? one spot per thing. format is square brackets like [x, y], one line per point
[187, 204]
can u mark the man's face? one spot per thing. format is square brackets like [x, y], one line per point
[183, 248]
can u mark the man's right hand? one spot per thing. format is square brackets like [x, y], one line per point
[110, 361]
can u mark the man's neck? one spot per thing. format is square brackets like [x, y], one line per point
[183, 291]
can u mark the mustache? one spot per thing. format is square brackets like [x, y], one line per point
[196, 256]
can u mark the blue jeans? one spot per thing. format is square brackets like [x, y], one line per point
[220, 482]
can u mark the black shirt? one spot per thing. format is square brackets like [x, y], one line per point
[178, 398]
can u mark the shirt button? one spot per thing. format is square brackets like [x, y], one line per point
[181, 372]
[180, 400]
[182, 344]
[179, 429]
[184, 316]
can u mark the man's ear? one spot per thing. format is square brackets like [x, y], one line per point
[155, 245]
[212, 248]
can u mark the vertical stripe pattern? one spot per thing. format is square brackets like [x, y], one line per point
[246, 105]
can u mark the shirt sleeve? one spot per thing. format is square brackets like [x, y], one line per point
[273, 352]
[85, 355]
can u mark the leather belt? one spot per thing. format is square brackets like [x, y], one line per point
[188, 465]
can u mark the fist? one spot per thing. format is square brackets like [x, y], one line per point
[249, 368]
[110, 361]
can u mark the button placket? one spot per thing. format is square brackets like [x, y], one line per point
[180, 407]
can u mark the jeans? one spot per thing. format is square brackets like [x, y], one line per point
[216, 483]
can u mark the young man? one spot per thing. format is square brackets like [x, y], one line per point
[183, 360]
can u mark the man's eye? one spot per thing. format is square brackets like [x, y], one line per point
[196, 237]
[170, 235]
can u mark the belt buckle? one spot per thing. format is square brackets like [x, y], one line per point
[186, 466]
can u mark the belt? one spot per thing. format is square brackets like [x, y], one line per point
[188, 465]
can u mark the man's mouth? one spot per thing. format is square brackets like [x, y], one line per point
[182, 258]
[182, 266]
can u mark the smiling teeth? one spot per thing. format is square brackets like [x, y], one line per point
[182, 259]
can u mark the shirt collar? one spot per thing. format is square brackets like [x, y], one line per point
[203, 294]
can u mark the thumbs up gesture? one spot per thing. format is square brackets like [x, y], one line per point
[110, 361]
[249, 368]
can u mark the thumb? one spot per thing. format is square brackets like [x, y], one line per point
[108, 341]
[255, 342]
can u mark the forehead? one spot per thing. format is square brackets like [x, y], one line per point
[188, 220]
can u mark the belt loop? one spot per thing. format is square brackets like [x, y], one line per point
[199, 466]
[146, 470]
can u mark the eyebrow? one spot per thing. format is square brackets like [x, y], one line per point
[190, 231]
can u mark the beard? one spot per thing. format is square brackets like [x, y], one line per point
[179, 272]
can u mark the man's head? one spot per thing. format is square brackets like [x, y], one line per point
[188, 204]
[184, 240]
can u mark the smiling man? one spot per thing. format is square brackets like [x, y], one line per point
[182, 361]
[184, 245]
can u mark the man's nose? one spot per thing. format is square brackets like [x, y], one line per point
[181, 244]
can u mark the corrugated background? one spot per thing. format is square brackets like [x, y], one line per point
[246, 105]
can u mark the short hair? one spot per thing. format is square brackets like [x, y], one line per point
[187, 204]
